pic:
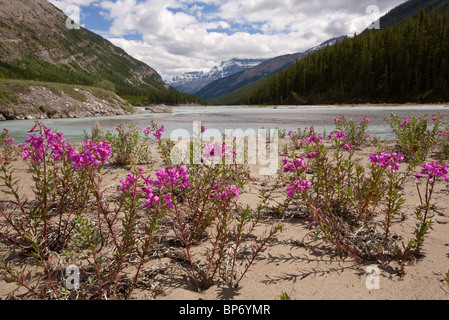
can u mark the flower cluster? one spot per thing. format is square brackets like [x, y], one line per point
[407, 122]
[217, 150]
[139, 183]
[129, 181]
[386, 160]
[298, 163]
[8, 140]
[340, 135]
[433, 170]
[364, 120]
[172, 176]
[314, 138]
[93, 154]
[157, 134]
[303, 185]
[5, 136]
[224, 191]
[36, 147]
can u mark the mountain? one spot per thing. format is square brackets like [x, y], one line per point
[226, 85]
[38, 42]
[404, 63]
[192, 82]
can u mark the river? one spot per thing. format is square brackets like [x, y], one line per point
[224, 118]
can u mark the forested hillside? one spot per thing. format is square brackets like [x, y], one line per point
[408, 62]
[410, 9]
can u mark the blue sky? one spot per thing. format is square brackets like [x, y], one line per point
[177, 36]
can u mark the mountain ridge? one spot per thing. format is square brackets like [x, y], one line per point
[226, 85]
[192, 82]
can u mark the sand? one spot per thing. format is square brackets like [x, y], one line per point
[295, 263]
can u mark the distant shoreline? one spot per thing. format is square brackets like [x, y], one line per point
[336, 106]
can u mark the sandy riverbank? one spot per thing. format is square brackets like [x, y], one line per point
[301, 266]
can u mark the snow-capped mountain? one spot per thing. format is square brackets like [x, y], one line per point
[192, 82]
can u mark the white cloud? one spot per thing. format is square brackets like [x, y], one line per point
[187, 35]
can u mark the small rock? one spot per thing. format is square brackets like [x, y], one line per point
[160, 109]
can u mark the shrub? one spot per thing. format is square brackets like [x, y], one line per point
[128, 146]
[414, 137]
[342, 198]
[8, 146]
[355, 134]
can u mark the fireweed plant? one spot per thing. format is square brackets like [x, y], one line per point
[430, 173]
[415, 137]
[63, 178]
[7, 145]
[298, 137]
[128, 145]
[355, 133]
[201, 200]
[342, 198]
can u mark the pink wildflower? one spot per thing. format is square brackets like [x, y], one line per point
[433, 171]
[298, 163]
[224, 192]
[151, 198]
[340, 135]
[364, 120]
[93, 154]
[387, 160]
[169, 202]
[8, 140]
[128, 182]
[298, 185]
[159, 132]
[407, 121]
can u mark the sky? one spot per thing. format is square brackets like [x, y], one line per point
[178, 36]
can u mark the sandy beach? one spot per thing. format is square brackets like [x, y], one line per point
[296, 263]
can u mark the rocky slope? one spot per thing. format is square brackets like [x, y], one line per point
[21, 100]
[35, 43]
